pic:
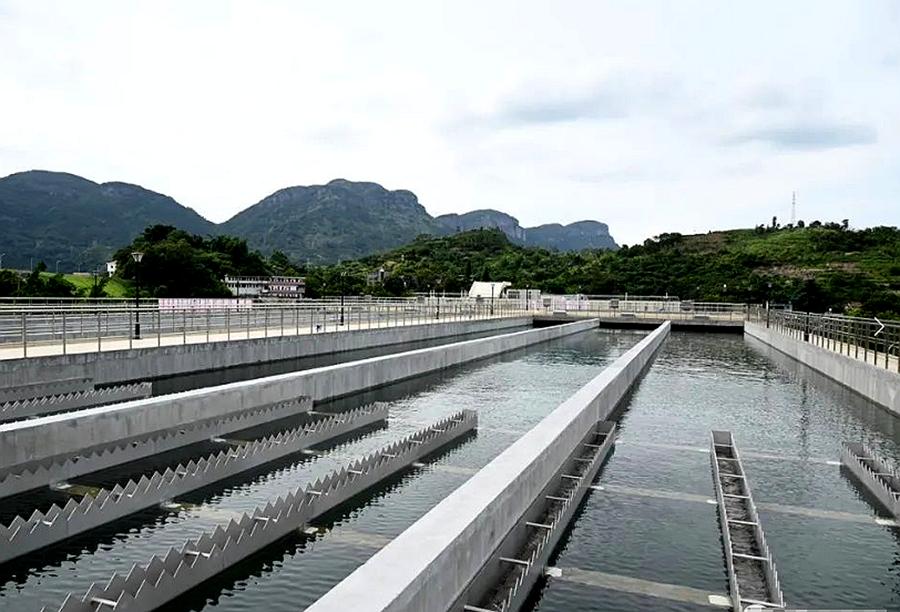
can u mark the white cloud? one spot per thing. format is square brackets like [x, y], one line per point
[547, 111]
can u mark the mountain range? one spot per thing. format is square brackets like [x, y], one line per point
[64, 218]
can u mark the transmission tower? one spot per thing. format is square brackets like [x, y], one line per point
[793, 207]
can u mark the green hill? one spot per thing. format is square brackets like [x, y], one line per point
[340, 220]
[54, 216]
[815, 268]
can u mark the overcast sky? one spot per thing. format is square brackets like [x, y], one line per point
[651, 116]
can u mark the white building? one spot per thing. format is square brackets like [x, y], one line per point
[111, 267]
[482, 289]
[289, 287]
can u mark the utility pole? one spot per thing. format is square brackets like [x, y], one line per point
[793, 208]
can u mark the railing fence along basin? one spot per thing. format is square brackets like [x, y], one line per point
[873, 340]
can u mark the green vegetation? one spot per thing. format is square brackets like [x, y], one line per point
[817, 268]
[327, 223]
[179, 264]
[114, 287]
[53, 216]
[36, 284]
[72, 223]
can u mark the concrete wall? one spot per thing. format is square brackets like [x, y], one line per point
[139, 364]
[876, 384]
[70, 432]
[428, 566]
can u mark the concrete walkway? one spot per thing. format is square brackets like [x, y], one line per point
[103, 344]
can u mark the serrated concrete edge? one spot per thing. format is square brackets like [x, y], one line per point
[24, 408]
[28, 389]
[23, 536]
[167, 576]
[852, 456]
[57, 469]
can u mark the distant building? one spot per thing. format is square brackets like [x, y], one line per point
[283, 287]
[481, 289]
[111, 267]
[524, 296]
[376, 277]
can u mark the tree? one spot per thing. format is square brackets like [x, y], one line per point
[179, 264]
[280, 265]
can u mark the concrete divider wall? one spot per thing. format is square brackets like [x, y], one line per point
[876, 384]
[428, 566]
[70, 432]
[139, 364]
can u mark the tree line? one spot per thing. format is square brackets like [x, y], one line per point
[818, 268]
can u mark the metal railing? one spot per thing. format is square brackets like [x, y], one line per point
[60, 329]
[671, 310]
[870, 340]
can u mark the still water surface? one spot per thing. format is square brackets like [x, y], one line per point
[774, 407]
[699, 382]
[511, 393]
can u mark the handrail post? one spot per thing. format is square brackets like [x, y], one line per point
[64, 331]
[158, 327]
[99, 318]
[24, 335]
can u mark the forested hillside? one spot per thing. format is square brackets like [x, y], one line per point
[817, 268]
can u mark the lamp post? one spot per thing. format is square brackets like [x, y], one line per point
[57, 266]
[492, 298]
[137, 256]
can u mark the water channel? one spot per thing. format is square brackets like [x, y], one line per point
[651, 522]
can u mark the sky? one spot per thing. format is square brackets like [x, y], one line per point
[651, 116]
